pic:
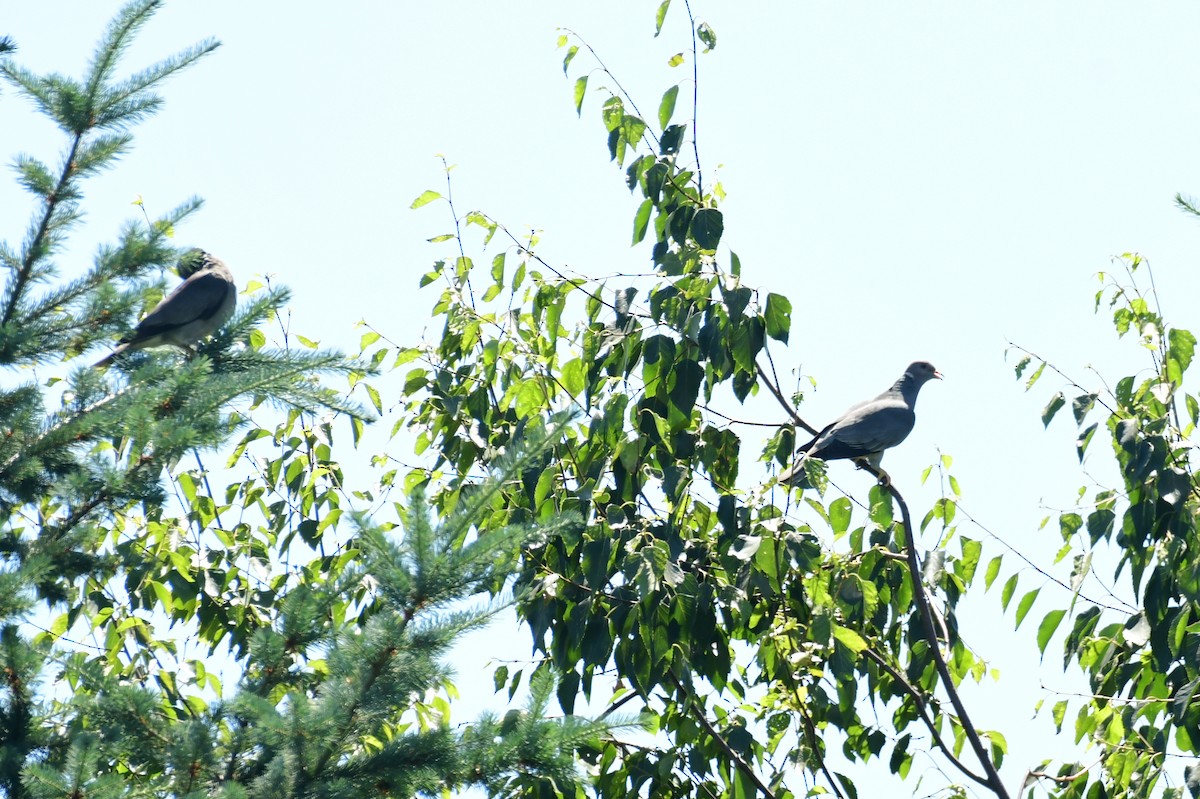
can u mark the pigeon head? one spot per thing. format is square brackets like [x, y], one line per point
[922, 372]
[192, 262]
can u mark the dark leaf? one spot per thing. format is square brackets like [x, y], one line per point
[1085, 438]
[1191, 777]
[707, 227]
[1126, 434]
[1081, 405]
[688, 375]
[568, 689]
[672, 139]
[1052, 407]
[681, 220]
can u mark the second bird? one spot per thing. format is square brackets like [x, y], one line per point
[196, 308]
[870, 427]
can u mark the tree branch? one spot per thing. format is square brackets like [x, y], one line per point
[919, 700]
[738, 761]
[914, 566]
[37, 247]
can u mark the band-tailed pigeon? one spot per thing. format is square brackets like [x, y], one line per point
[196, 308]
[870, 427]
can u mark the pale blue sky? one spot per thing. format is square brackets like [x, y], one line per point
[922, 180]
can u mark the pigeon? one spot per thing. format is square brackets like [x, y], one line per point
[196, 308]
[868, 428]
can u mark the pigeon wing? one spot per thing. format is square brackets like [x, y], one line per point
[865, 430]
[201, 296]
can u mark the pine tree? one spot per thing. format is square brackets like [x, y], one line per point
[338, 629]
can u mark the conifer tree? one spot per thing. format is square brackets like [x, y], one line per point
[337, 628]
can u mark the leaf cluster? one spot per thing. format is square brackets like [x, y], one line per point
[1138, 649]
[746, 630]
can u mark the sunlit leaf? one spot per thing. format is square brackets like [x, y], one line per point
[667, 106]
[426, 197]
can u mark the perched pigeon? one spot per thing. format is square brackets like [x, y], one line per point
[870, 427]
[196, 308]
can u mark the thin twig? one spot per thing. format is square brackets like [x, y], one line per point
[787, 406]
[695, 100]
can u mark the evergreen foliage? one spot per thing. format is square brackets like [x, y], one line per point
[118, 614]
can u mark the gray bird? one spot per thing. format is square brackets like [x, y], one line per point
[196, 308]
[870, 427]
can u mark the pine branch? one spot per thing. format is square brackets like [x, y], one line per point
[37, 246]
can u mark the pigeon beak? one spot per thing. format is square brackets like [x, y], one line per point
[938, 375]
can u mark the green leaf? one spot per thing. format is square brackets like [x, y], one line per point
[1180, 349]
[426, 197]
[675, 60]
[376, 401]
[580, 88]
[530, 398]
[571, 53]
[1025, 604]
[642, 220]
[993, 570]
[500, 677]
[660, 16]
[707, 35]
[778, 317]
[839, 515]
[574, 374]
[1010, 585]
[1058, 713]
[972, 551]
[1047, 627]
[1085, 438]
[707, 227]
[667, 106]
[849, 638]
[1033, 378]
[61, 623]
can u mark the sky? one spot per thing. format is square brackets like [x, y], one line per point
[922, 181]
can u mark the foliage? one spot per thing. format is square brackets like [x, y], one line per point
[748, 630]
[1137, 642]
[757, 633]
[119, 618]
